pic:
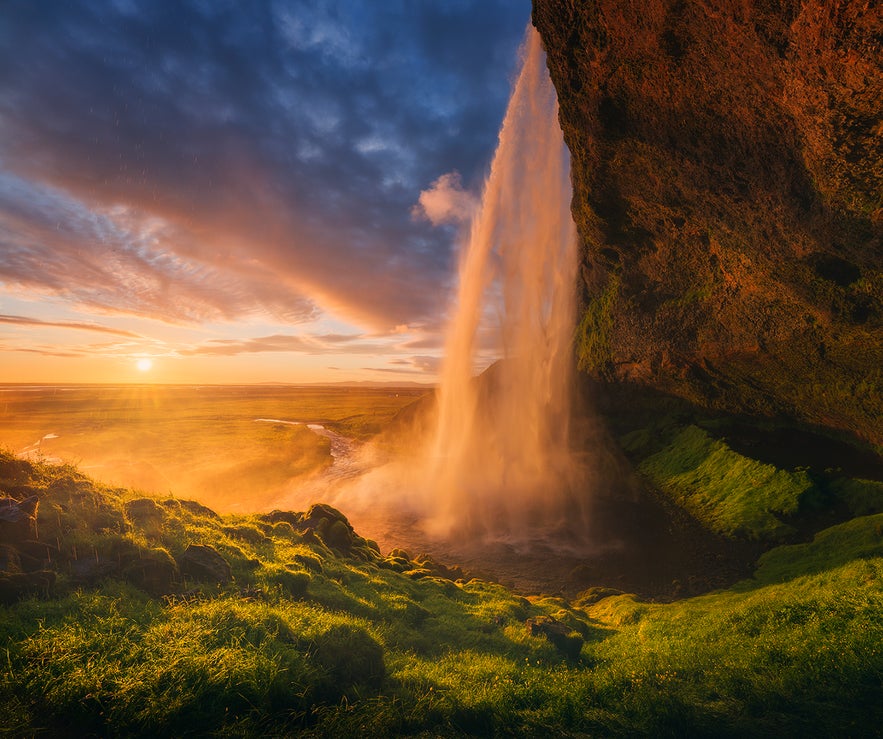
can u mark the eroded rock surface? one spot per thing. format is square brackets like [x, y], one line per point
[728, 169]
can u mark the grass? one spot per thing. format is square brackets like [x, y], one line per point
[728, 492]
[310, 640]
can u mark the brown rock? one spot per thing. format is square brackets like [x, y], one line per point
[565, 639]
[14, 586]
[155, 572]
[202, 562]
[331, 526]
[144, 511]
[18, 519]
[727, 166]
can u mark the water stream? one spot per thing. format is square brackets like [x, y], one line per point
[344, 459]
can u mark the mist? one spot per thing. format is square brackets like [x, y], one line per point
[492, 459]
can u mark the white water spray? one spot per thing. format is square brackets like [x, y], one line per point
[500, 464]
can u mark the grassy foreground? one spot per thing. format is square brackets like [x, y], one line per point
[316, 632]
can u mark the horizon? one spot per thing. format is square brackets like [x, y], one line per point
[340, 383]
[204, 195]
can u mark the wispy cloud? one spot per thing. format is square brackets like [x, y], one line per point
[44, 351]
[304, 344]
[416, 365]
[121, 260]
[77, 325]
[203, 162]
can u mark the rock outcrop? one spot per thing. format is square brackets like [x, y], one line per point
[203, 562]
[565, 639]
[728, 169]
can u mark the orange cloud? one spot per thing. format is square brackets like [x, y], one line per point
[445, 201]
[81, 326]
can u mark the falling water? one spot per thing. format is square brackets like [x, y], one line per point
[500, 461]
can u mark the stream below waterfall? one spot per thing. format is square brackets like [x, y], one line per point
[343, 450]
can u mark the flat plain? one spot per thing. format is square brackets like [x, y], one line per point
[204, 442]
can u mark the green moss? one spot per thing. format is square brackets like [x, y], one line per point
[593, 334]
[730, 493]
[862, 496]
[858, 539]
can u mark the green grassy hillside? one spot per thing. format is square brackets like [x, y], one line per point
[313, 630]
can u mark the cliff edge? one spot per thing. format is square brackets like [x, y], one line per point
[727, 163]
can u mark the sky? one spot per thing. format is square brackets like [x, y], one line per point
[205, 191]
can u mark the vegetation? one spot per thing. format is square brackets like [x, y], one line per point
[728, 492]
[316, 632]
[593, 349]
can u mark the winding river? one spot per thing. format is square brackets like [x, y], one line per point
[344, 463]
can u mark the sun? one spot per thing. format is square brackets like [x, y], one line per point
[144, 364]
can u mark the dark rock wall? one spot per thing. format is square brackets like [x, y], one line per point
[727, 164]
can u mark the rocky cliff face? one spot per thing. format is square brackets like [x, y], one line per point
[728, 175]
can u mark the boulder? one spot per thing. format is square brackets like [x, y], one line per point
[155, 572]
[203, 562]
[331, 526]
[336, 535]
[91, 570]
[319, 512]
[144, 512]
[17, 585]
[426, 562]
[399, 564]
[190, 506]
[565, 639]
[18, 519]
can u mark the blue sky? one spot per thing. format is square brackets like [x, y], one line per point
[234, 188]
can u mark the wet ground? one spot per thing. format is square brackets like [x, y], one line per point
[642, 546]
[636, 541]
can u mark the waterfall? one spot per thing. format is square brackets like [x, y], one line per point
[500, 465]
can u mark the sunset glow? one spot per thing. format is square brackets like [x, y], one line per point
[293, 220]
[144, 364]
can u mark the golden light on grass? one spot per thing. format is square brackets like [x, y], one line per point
[144, 364]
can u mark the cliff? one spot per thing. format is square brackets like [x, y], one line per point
[727, 164]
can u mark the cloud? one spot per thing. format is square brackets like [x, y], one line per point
[445, 201]
[42, 351]
[25, 321]
[121, 260]
[417, 365]
[200, 161]
[304, 344]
